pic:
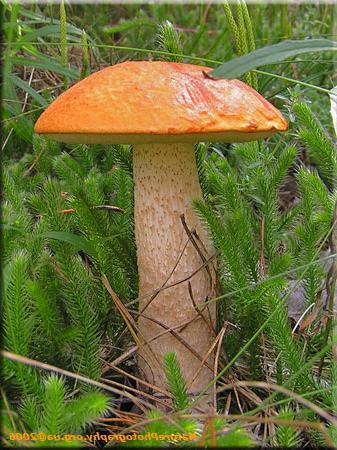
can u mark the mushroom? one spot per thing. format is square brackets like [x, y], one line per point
[163, 109]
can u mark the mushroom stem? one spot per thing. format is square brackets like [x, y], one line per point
[173, 251]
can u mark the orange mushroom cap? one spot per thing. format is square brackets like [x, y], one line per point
[145, 101]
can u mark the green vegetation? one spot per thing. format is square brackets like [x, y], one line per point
[270, 207]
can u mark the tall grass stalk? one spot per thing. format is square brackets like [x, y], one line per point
[242, 31]
[63, 40]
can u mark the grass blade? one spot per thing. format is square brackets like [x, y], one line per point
[79, 242]
[271, 54]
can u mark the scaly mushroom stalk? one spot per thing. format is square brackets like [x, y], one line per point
[166, 181]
